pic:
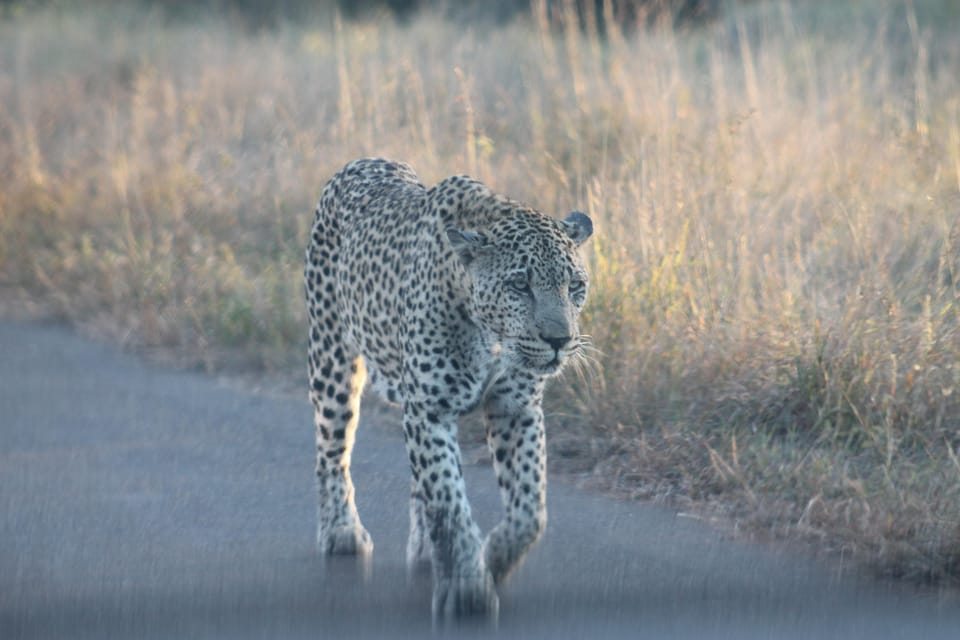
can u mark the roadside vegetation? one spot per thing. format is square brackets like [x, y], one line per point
[776, 268]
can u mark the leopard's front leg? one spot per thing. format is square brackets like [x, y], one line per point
[419, 551]
[515, 435]
[462, 584]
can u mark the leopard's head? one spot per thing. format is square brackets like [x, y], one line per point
[528, 284]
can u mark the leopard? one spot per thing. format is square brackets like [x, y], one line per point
[444, 300]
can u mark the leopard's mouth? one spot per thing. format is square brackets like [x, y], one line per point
[544, 361]
[553, 366]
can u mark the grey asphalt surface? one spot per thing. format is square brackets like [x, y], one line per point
[137, 502]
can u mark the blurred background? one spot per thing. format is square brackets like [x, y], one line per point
[775, 185]
[259, 14]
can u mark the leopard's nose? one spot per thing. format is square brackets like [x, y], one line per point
[556, 342]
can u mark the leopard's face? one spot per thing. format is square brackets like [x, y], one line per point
[528, 286]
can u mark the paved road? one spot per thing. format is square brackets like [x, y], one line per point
[143, 503]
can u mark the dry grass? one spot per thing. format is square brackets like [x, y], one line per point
[775, 272]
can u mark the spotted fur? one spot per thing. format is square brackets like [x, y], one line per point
[446, 299]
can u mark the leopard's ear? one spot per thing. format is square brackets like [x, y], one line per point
[578, 226]
[468, 244]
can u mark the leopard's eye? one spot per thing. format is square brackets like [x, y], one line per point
[519, 283]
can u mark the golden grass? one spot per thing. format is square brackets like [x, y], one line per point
[775, 271]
